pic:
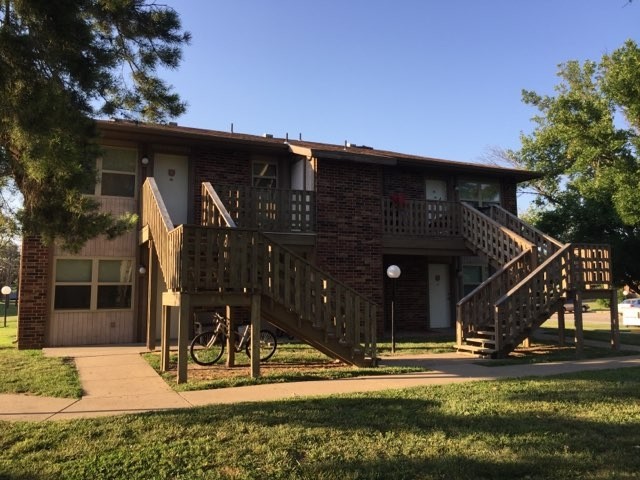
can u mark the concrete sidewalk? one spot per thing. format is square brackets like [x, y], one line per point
[117, 380]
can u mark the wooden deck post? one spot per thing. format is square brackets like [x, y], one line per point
[561, 330]
[183, 336]
[152, 296]
[231, 344]
[615, 321]
[165, 337]
[256, 305]
[577, 316]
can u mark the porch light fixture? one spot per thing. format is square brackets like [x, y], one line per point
[6, 290]
[393, 272]
[142, 270]
[144, 160]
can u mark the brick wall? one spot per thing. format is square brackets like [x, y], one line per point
[33, 308]
[349, 226]
[411, 294]
[218, 167]
[408, 182]
[509, 197]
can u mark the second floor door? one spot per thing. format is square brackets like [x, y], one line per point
[436, 190]
[171, 173]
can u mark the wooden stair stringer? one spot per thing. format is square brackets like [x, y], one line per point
[319, 338]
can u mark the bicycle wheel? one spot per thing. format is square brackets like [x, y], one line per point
[268, 344]
[206, 349]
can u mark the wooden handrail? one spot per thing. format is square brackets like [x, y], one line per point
[546, 244]
[168, 239]
[214, 212]
[488, 236]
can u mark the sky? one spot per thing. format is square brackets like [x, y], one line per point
[438, 78]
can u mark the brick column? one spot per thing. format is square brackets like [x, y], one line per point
[349, 226]
[33, 306]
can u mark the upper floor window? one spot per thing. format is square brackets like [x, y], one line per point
[479, 194]
[116, 172]
[264, 174]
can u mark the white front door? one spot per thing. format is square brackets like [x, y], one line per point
[171, 173]
[436, 190]
[439, 296]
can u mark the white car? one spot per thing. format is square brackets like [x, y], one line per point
[631, 316]
[628, 303]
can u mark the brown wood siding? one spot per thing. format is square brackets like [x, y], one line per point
[91, 328]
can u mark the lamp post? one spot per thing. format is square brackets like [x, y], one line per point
[393, 272]
[6, 290]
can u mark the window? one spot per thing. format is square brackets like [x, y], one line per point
[93, 284]
[472, 277]
[479, 194]
[264, 174]
[73, 285]
[117, 172]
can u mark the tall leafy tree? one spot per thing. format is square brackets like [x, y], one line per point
[585, 143]
[62, 64]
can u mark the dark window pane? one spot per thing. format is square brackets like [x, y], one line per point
[119, 159]
[118, 184]
[72, 297]
[114, 296]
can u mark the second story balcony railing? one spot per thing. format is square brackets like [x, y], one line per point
[270, 209]
[421, 218]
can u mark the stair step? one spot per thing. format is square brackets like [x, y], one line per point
[475, 350]
[482, 341]
[486, 333]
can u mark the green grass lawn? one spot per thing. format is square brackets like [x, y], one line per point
[583, 425]
[599, 331]
[29, 371]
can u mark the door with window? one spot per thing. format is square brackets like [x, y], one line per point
[438, 217]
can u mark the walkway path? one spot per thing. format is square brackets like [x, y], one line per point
[117, 380]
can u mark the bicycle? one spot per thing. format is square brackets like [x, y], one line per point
[207, 347]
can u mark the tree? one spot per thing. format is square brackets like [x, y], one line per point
[9, 264]
[62, 64]
[585, 144]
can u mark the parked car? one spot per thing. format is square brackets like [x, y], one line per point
[628, 303]
[631, 316]
[568, 306]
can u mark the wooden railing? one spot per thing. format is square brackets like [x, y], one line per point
[517, 256]
[421, 217]
[214, 212]
[476, 310]
[200, 259]
[168, 240]
[269, 209]
[489, 237]
[546, 245]
[535, 298]
[590, 267]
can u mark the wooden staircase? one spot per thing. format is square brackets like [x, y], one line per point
[535, 274]
[217, 264]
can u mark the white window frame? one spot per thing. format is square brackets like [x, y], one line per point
[98, 186]
[483, 276]
[94, 284]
